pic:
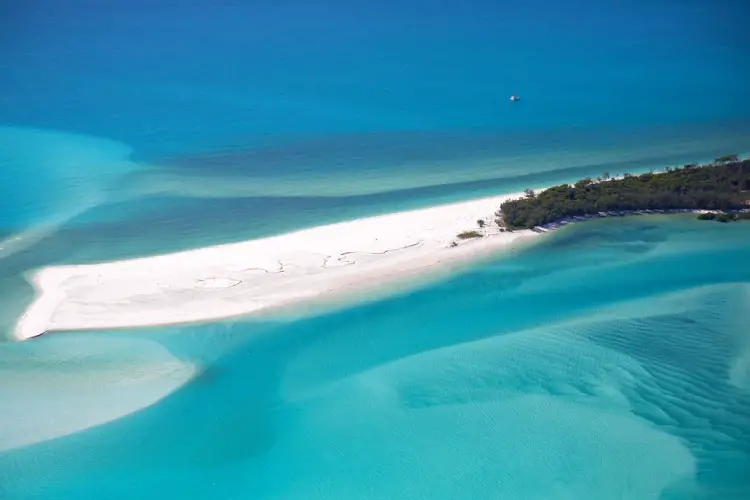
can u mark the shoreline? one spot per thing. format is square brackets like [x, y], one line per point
[721, 185]
[238, 279]
[262, 275]
[551, 226]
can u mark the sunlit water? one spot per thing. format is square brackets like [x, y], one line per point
[610, 360]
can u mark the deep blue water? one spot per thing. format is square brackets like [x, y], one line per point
[609, 361]
[125, 112]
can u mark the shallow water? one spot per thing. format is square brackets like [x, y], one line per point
[609, 360]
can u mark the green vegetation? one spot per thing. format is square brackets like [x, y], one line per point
[480, 223]
[707, 216]
[723, 186]
[466, 235]
[726, 159]
[724, 217]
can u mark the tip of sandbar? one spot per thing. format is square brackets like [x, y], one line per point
[35, 321]
[26, 330]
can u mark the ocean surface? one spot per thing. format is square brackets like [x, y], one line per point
[609, 360]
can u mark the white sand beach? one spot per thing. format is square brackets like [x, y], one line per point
[257, 275]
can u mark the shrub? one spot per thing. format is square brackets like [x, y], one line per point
[724, 217]
[466, 235]
[718, 188]
[727, 159]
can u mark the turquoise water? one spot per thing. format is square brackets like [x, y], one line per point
[137, 128]
[611, 360]
[608, 361]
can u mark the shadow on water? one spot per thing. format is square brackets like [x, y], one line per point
[344, 152]
[226, 413]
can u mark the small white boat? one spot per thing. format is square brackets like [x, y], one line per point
[515, 98]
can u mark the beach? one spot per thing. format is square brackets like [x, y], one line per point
[259, 275]
[230, 263]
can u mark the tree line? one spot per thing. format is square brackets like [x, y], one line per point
[723, 185]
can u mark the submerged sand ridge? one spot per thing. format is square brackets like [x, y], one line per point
[242, 278]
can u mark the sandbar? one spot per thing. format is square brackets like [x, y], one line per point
[237, 279]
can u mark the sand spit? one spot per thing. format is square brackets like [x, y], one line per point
[242, 278]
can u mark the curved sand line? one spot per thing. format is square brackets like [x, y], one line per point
[241, 278]
[217, 283]
[46, 397]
